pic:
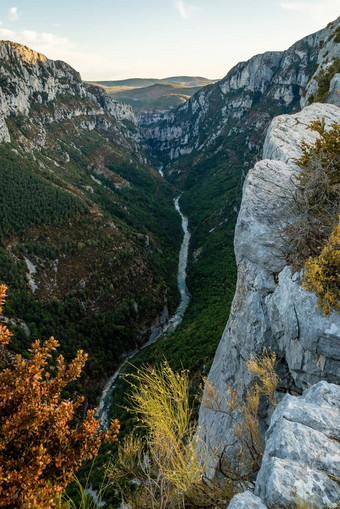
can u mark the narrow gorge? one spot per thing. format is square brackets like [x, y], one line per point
[164, 326]
[161, 237]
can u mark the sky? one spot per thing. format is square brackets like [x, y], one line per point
[118, 39]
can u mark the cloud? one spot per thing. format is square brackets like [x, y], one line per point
[42, 41]
[13, 14]
[5, 33]
[56, 47]
[179, 4]
[321, 11]
[185, 9]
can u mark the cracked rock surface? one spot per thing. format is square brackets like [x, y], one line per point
[270, 308]
[301, 460]
[302, 452]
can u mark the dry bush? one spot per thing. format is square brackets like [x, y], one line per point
[5, 335]
[313, 237]
[169, 467]
[163, 468]
[40, 445]
[317, 196]
[263, 366]
[240, 460]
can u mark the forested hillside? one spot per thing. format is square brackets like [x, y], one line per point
[89, 234]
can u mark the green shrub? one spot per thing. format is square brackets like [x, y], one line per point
[324, 77]
[317, 197]
[322, 274]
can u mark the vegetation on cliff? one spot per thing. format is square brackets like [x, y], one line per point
[313, 237]
[164, 464]
[322, 274]
[323, 79]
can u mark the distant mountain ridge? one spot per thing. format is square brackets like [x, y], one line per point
[184, 81]
[158, 96]
[154, 94]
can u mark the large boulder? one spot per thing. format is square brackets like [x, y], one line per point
[301, 460]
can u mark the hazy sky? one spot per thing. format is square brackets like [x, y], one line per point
[115, 39]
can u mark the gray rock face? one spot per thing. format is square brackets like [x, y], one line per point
[302, 452]
[147, 118]
[286, 133]
[239, 106]
[270, 309]
[55, 92]
[329, 52]
[334, 90]
[246, 500]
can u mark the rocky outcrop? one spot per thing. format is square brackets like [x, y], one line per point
[301, 461]
[236, 111]
[270, 308]
[53, 91]
[116, 109]
[28, 76]
[328, 55]
[286, 133]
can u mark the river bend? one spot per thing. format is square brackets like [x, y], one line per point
[175, 320]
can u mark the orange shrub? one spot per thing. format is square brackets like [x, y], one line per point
[40, 445]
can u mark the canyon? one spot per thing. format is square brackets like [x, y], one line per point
[88, 190]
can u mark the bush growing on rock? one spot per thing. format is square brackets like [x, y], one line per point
[168, 465]
[325, 75]
[314, 238]
[322, 274]
[317, 196]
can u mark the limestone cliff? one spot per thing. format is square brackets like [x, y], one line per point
[236, 111]
[324, 83]
[54, 91]
[270, 308]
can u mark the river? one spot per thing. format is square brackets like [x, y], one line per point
[175, 320]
